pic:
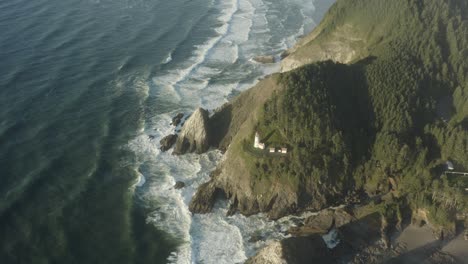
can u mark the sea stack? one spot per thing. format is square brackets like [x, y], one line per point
[194, 134]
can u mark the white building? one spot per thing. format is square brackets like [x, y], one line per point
[284, 150]
[449, 165]
[257, 140]
[272, 150]
[257, 143]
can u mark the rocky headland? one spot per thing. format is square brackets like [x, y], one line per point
[354, 107]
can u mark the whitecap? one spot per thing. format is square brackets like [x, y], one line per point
[168, 58]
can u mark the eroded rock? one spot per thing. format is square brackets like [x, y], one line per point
[176, 120]
[294, 250]
[322, 223]
[167, 142]
[204, 199]
[194, 134]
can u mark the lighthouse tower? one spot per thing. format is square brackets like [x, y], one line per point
[257, 140]
[257, 143]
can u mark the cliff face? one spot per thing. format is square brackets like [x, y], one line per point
[343, 45]
[194, 136]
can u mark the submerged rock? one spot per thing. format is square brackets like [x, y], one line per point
[177, 119]
[194, 134]
[264, 59]
[179, 185]
[284, 54]
[167, 142]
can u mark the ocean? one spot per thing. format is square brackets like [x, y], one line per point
[87, 90]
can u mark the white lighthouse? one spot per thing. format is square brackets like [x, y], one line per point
[257, 143]
[257, 140]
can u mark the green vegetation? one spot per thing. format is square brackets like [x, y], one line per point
[362, 125]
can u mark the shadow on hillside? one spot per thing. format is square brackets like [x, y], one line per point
[219, 124]
[268, 136]
[428, 253]
[360, 239]
[357, 235]
[417, 255]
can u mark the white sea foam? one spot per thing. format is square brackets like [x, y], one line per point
[215, 70]
[202, 51]
[168, 58]
[331, 239]
[140, 181]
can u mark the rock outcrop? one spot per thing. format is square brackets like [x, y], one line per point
[176, 120]
[167, 142]
[294, 250]
[270, 254]
[194, 136]
[343, 46]
[204, 199]
[264, 59]
[322, 223]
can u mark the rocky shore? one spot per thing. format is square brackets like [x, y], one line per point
[363, 235]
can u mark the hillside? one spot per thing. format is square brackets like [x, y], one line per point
[370, 127]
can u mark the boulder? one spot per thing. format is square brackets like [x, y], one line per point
[270, 254]
[194, 134]
[167, 142]
[316, 224]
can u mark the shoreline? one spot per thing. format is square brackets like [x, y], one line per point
[192, 169]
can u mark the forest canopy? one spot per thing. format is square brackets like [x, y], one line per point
[359, 126]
